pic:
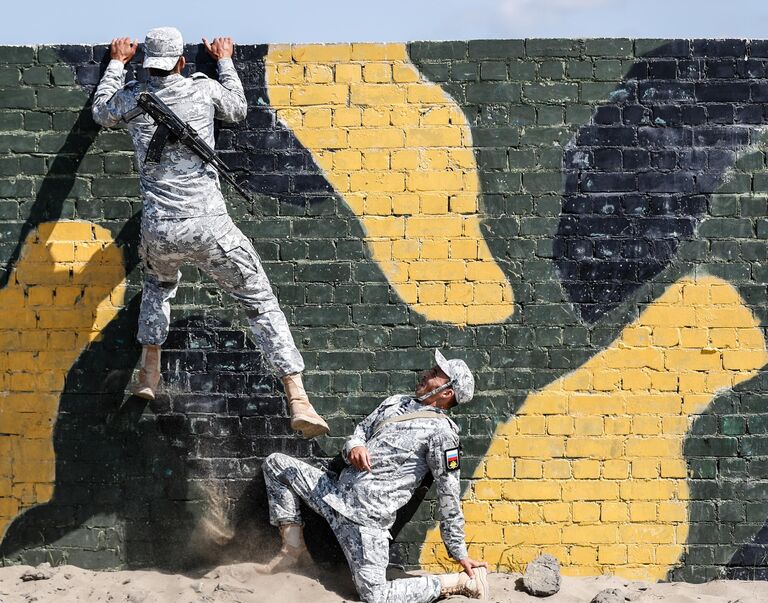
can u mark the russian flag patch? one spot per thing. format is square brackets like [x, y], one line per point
[452, 462]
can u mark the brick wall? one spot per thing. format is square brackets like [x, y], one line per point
[583, 221]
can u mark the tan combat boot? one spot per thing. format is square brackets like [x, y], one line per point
[462, 584]
[293, 553]
[304, 419]
[149, 374]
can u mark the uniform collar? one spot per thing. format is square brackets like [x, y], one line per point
[419, 406]
[163, 82]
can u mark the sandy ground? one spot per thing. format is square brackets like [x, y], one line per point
[240, 583]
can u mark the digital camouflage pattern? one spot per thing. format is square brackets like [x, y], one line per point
[462, 381]
[180, 185]
[360, 506]
[185, 218]
[365, 547]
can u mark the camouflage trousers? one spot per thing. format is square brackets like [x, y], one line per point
[366, 548]
[216, 246]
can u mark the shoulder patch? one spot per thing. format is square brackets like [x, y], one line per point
[452, 459]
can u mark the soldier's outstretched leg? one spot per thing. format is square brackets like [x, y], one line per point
[161, 280]
[236, 267]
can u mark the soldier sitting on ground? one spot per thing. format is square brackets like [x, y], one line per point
[388, 455]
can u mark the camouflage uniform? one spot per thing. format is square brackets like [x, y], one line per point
[360, 506]
[185, 218]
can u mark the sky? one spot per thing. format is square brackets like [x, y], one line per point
[253, 21]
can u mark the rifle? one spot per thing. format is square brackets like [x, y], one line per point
[171, 128]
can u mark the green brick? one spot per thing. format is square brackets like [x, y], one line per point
[118, 164]
[492, 159]
[32, 166]
[493, 70]
[11, 120]
[64, 120]
[63, 75]
[579, 70]
[17, 54]
[34, 120]
[34, 76]
[454, 50]
[578, 114]
[463, 71]
[488, 92]
[671, 48]
[723, 205]
[609, 47]
[543, 182]
[550, 115]
[596, 91]
[521, 159]
[541, 135]
[58, 98]
[115, 187]
[551, 70]
[522, 70]
[17, 98]
[611, 70]
[552, 93]
[9, 76]
[522, 115]
[18, 143]
[436, 72]
[551, 159]
[541, 47]
[496, 49]
[114, 141]
[495, 137]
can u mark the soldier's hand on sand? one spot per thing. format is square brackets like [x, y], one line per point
[123, 49]
[359, 458]
[220, 48]
[468, 563]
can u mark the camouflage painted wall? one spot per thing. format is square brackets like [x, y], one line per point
[584, 222]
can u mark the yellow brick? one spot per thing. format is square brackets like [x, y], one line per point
[405, 249]
[427, 226]
[595, 404]
[405, 159]
[319, 74]
[290, 74]
[584, 489]
[464, 248]
[607, 380]
[65, 230]
[675, 425]
[646, 425]
[328, 94]
[669, 316]
[40, 296]
[525, 468]
[442, 270]
[588, 426]
[488, 490]
[33, 340]
[530, 513]
[377, 94]
[405, 115]
[433, 136]
[674, 468]
[594, 447]
[347, 160]
[325, 138]
[556, 512]
[531, 490]
[642, 511]
[476, 512]
[463, 204]
[612, 553]
[668, 554]
[586, 512]
[655, 404]
[623, 358]
[378, 205]
[434, 249]
[376, 138]
[557, 469]
[548, 403]
[635, 379]
[743, 360]
[376, 160]
[321, 53]
[501, 468]
[640, 554]
[488, 293]
[426, 93]
[540, 534]
[581, 555]
[404, 73]
[347, 116]
[375, 117]
[433, 159]
[584, 469]
[385, 227]
[23, 382]
[636, 489]
[531, 424]
[653, 447]
[379, 52]
[590, 534]
[436, 116]
[381, 181]
[9, 507]
[317, 117]
[85, 251]
[435, 181]
[636, 336]
[432, 293]
[751, 338]
[482, 271]
[434, 203]
[280, 53]
[612, 511]
[615, 469]
[291, 116]
[666, 336]
[506, 512]
[377, 73]
[459, 293]
[647, 533]
[723, 317]
[663, 381]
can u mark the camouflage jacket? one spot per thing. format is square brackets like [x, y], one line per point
[401, 454]
[180, 185]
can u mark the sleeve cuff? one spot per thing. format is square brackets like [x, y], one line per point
[460, 553]
[351, 443]
[226, 63]
[116, 65]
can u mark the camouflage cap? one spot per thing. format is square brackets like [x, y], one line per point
[462, 381]
[162, 48]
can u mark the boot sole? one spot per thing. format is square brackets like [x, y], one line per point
[481, 579]
[308, 427]
[145, 393]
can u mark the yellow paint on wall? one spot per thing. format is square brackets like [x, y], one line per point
[591, 469]
[67, 285]
[398, 149]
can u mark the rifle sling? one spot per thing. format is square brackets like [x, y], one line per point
[419, 414]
